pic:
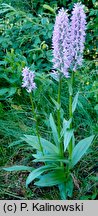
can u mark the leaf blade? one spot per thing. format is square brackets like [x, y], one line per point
[18, 168]
[47, 145]
[54, 129]
[49, 158]
[53, 178]
[67, 137]
[34, 174]
[80, 149]
[75, 101]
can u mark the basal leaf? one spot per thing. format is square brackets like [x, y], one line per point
[53, 178]
[37, 172]
[49, 158]
[18, 168]
[33, 141]
[66, 188]
[80, 149]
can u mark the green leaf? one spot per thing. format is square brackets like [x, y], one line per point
[7, 7]
[54, 130]
[8, 91]
[53, 178]
[50, 158]
[80, 149]
[17, 142]
[69, 186]
[3, 91]
[18, 168]
[55, 103]
[62, 189]
[75, 101]
[70, 87]
[66, 189]
[33, 141]
[66, 125]
[37, 172]
[49, 8]
[12, 91]
[67, 137]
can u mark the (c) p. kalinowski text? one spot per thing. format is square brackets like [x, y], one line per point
[48, 207]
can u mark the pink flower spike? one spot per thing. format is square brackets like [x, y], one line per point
[28, 80]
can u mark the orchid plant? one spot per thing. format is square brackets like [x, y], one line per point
[57, 169]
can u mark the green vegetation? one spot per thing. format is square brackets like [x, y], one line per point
[25, 38]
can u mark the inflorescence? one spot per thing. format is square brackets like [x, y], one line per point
[68, 39]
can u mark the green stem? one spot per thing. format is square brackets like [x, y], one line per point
[58, 111]
[70, 112]
[35, 117]
[59, 115]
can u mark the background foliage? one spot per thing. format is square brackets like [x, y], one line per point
[25, 39]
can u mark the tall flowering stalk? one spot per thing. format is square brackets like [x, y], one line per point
[77, 39]
[61, 58]
[68, 45]
[29, 84]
